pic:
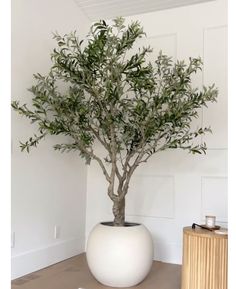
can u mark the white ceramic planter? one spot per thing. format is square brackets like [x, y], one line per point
[119, 256]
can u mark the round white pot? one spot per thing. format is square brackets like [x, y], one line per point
[119, 256]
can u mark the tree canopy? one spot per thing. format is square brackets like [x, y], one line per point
[132, 107]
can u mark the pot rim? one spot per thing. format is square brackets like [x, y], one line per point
[127, 224]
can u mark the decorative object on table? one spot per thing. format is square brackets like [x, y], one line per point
[205, 227]
[210, 221]
[205, 260]
[132, 108]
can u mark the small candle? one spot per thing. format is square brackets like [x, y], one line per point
[210, 221]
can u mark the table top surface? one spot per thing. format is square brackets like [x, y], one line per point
[203, 233]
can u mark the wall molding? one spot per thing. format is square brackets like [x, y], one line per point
[210, 177]
[172, 177]
[33, 260]
[204, 32]
[214, 27]
[217, 149]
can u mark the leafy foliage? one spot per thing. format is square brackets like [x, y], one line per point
[132, 107]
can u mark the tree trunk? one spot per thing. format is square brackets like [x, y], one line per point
[119, 212]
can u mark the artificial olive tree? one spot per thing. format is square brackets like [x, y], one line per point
[133, 108]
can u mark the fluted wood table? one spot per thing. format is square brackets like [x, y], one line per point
[204, 259]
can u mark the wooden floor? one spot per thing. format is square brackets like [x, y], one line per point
[73, 273]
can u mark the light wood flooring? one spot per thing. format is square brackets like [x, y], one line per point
[73, 273]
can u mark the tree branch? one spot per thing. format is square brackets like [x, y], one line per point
[93, 156]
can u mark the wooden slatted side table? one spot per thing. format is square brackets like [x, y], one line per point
[204, 259]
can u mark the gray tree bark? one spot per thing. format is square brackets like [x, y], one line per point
[119, 212]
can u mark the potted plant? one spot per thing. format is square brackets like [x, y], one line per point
[133, 109]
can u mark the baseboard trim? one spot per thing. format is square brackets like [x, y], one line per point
[34, 260]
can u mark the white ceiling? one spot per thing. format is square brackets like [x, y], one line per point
[108, 9]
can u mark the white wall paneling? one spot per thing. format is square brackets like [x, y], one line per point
[215, 71]
[171, 190]
[152, 196]
[214, 198]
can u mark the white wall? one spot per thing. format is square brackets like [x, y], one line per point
[176, 189]
[48, 188]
